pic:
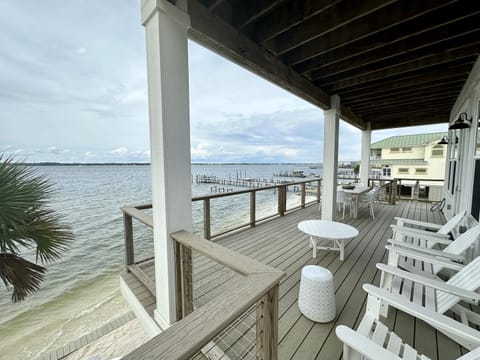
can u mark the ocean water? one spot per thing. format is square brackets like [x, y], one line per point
[81, 290]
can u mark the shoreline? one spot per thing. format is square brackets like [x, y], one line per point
[84, 341]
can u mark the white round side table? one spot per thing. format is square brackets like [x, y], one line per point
[316, 299]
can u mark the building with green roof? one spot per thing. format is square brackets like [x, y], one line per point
[410, 157]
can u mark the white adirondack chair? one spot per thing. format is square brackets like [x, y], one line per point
[435, 295]
[373, 340]
[418, 259]
[423, 233]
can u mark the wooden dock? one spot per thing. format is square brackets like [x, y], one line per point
[240, 182]
[280, 244]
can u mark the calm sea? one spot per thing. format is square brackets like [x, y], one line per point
[81, 290]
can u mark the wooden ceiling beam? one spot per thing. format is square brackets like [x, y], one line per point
[406, 99]
[387, 113]
[246, 12]
[214, 4]
[286, 16]
[407, 107]
[326, 21]
[344, 80]
[344, 44]
[360, 97]
[207, 3]
[406, 117]
[352, 118]
[439, 73]
[421, 119]
[386, 116]
[404, 51]
[414, 112]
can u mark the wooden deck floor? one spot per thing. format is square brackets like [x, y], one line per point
[279, 243]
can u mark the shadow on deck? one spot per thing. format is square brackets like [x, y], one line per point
[280, 244]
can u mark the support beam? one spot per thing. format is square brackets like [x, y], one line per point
[330, 159]
[365, 164]
[167, 69]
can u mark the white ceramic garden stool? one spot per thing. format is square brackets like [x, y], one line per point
[316, 299]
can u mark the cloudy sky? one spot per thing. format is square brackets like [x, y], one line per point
[73, 89]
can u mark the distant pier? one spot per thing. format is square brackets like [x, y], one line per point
[241, 182]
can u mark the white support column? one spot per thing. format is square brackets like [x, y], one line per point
[167, 69]
[330, 159]
[365, 163]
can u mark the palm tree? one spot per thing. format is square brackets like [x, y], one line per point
[27, 222]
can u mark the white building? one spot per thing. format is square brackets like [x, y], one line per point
[417, 161]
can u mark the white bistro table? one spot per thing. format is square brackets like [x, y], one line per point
[355, 193]
[326, 232]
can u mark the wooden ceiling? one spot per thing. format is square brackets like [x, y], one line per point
[393, 63]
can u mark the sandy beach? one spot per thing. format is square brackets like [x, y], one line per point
[115, 344]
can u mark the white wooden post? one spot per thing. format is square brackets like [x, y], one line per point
[330, 159]
[365, 163]
[167, 69]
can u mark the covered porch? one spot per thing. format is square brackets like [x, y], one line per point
[374, 64]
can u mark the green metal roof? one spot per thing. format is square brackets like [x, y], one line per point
[408, 140]
[398, 161]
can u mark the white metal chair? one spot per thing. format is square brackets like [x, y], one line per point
[344, 200]
[435, 295]
[369, 199]
[420, 260]
[373, 340]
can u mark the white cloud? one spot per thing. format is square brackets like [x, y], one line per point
[200, 151]
[290, 153]
[122, 151]
[54, 150]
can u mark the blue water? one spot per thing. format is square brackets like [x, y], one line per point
[81, 291]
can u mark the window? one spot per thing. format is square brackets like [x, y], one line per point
[387, 171]
[421, 171]
[403, 171]
[437, 150]
[395, 150]
[375, 154]
[407, 149]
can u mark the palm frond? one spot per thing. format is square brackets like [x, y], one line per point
[23, 275]
[26, 221]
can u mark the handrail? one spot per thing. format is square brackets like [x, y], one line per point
[415, 189]
[245, 191]
[253, 220]
[188, 336]
[389, 185]
[439, 180]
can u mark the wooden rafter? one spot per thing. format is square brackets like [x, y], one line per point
[372, 73]
[326, 21]
[339, 46]
[401, 52]
[411, 79]
[383, 19]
